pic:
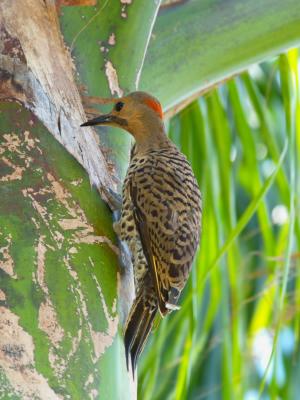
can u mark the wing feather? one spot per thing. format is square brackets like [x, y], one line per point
[141, 224]
[166, 210]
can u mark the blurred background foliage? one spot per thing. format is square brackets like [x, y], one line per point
[237, 333]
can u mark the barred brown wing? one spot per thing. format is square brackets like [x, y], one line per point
[167, 209]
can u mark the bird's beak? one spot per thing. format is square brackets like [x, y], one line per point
[106, 119]
[101, 120]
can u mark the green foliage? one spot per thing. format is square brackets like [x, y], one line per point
[199, 43]
[238, 328]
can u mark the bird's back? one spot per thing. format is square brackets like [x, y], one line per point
[163, 188]
[161, 222]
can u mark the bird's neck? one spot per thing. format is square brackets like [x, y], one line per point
[151, 137]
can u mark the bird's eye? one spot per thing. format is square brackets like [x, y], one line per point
[119, 106]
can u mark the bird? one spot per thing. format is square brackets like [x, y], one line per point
[160, 218]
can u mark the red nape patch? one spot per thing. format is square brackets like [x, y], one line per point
[155, 105]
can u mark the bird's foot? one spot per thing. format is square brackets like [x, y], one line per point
[125, 255]
[113, 199]
[115, 202]
[116, 215]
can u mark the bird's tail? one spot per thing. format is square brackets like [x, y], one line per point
[138, 326]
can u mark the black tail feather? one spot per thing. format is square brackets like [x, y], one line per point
[133, 321]
[138, 327]
[144, 331]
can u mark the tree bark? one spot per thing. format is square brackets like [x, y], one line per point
[59, 274]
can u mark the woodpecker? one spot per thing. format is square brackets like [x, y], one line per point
[160, 215]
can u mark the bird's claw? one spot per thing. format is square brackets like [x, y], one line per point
[116, 215]
[125, 255]
[113, 198]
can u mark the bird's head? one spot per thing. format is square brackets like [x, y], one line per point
[138, 113]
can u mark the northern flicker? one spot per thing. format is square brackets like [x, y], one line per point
[160, 217]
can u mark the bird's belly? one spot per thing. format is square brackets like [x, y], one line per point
[130, 235]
